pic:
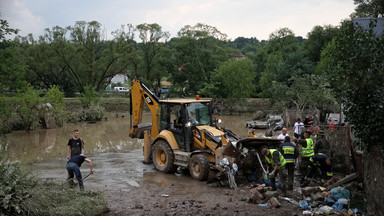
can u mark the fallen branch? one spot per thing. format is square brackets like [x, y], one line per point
[344, 180]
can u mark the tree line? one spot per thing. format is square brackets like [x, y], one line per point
[200, 57]
[334, 64]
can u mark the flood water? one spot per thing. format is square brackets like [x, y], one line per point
[117, 158]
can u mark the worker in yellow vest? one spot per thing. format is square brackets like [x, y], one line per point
[306, 151]
[276, 162]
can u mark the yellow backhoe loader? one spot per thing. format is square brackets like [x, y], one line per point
[183, 133]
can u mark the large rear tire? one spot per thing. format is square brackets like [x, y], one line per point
[163, 157]
[199, 167]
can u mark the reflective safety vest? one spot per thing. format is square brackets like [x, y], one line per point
[289, 153]
[270, 160]
[308, 151]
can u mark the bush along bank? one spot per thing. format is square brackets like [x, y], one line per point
[22, 194]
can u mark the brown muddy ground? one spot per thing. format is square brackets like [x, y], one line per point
[157, 193]
[134, 188]
[131, 187]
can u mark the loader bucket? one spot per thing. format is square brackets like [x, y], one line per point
[139, 131]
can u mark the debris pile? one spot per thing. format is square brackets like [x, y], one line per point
[314, 200]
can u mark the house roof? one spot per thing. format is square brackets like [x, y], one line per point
[364, 23]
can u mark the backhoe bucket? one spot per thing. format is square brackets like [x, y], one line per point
[139, 131]
[147, 147]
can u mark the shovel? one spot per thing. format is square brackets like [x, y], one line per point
[77, 181]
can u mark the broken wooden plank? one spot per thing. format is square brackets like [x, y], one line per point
[346, 179]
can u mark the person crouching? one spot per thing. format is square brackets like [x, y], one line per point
[73, 168]
[322, 162]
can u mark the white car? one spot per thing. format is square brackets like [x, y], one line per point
[121, 89]
[275, 121]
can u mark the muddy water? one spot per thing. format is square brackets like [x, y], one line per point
[117, 158]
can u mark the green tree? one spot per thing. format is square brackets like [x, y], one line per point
[201, 31]
[98, 59]
[233, 79]
[295, 64]
[76, 56]
[368, 8]
[282, 40]
[28, 107]
[269, 74]
[90, 97]
[246, 45]
[127, 46]
[55, 97]
[11, 71]
[165, 63]
[317, 40]
[151, 36]
[259, 60]
[47, 59]
[281, 44]
[306, 91]
[6, 116]
[356, 67]
[199, 50]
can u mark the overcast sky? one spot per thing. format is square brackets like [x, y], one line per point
[236, 18]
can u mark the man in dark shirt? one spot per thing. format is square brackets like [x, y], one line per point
[290, 153]
[322, 162]
[73, 168]
[308, 121]
[75, 145]
[322, 145]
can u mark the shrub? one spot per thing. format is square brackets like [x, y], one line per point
[89, 97]
[92, 113]
[14, 185]
[22, 194]
[55, 97]
[5, 116]
[28, 101]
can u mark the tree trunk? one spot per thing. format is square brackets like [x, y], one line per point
[374, 180]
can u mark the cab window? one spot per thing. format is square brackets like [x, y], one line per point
[198, 114]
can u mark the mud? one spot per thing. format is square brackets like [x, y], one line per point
[132, 187]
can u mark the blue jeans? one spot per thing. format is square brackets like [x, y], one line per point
[73, 169]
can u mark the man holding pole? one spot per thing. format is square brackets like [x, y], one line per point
[73, 168]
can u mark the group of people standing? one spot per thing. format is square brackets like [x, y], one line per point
[311, 154]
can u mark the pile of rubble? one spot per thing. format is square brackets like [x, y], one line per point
[314, 200]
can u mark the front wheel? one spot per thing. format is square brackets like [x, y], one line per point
[163, 157]
[199, 167]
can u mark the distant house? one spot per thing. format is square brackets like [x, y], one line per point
[119, 78]
[365, 22]
[238, 56]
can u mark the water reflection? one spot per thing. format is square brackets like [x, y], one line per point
[106, 136]
[45, 144]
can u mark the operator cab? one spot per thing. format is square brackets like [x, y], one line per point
[179, 116]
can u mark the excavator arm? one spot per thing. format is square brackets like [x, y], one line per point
[140, 94]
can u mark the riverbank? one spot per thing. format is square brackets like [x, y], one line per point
[249, 105]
